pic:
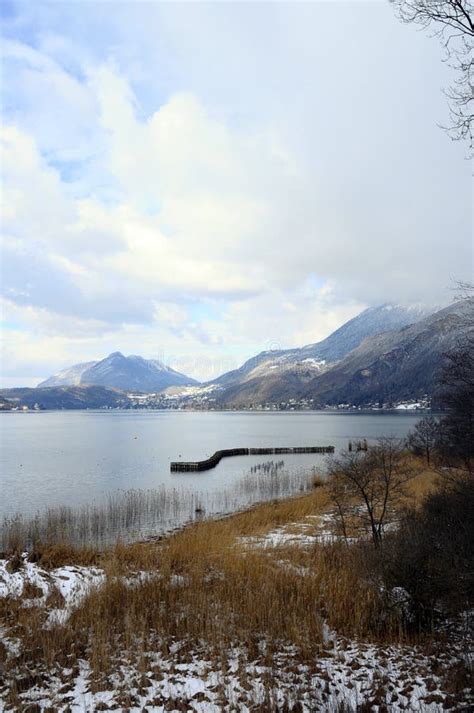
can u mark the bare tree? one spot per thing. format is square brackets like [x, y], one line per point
[452, 22]
[457, 396]
[424, 438]
[371, 482]
[340, 492]
[455, 393]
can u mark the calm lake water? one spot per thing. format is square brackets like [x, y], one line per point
[73, 458]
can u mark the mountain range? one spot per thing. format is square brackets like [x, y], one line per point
[383, 356]
[361, 366]
[313, 359]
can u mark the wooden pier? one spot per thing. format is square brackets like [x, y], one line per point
[186, 467]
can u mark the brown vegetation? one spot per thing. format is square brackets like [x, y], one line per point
[212, 585]
[203, 584]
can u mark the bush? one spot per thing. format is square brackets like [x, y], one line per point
[431, 555]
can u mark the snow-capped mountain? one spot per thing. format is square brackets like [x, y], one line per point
[398, 365]
[132, 373]
[385, 354]
[68, 377]
[368, 323]
[313, 359]
[360, 367]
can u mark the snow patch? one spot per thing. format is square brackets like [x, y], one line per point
[73, 584]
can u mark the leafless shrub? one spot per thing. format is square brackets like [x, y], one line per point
[368, 484]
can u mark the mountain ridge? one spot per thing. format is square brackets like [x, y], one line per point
[315, 358]
[383, 368]
[384, 355]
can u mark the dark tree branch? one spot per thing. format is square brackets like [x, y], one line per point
[453, 23]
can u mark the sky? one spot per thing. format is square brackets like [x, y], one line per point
[197, 182]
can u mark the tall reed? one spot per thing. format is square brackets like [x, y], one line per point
[136, 514]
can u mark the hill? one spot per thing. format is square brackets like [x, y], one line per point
[65, 397]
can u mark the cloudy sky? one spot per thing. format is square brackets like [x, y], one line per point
[198, 182]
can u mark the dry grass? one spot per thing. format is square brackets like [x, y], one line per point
[425, 481]
[204, 586]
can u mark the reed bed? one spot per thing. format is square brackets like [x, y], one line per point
[137, 514]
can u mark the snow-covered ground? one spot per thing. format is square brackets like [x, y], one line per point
[344, 676]
[313, 529]
[34, 585]
[341, 675]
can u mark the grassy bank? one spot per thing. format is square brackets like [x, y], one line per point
[252, 587]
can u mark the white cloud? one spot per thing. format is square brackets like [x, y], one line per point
[220, 181]
[45, 99]
[34, 206]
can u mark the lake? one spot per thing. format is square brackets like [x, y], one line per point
[73, 458]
